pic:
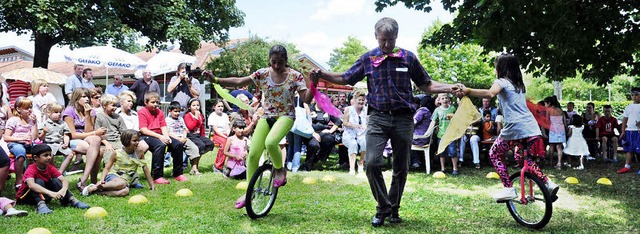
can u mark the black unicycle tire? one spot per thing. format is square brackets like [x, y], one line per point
[261, 195]
[546, 199]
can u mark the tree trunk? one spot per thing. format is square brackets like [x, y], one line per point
[557, 89]
[43, 44]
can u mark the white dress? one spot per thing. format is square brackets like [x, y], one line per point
[576, 145]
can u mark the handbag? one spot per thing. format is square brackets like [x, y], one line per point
[302, 125]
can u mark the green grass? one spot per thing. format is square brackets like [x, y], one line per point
[459, 204]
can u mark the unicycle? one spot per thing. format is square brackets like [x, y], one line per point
[261, 195]
[534, 205]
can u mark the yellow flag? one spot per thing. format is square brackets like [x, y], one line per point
[464, 116]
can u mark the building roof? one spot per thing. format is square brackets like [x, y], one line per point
[14, 49]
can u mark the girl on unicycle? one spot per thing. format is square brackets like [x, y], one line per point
[520, 129]
[278, 83]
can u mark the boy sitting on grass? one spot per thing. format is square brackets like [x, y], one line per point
[121, 168]
[42, 182]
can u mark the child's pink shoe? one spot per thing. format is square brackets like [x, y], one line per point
[181, 178]
[240, 203]
[161, 181]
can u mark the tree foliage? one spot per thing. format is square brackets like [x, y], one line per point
[464, 63]
[342, 58]
[598, 38]
[579, 89]
[249, 56]
[86, 23]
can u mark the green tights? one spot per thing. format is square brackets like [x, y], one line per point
[269, 138]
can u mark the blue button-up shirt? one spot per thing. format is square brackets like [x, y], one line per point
[390, 83]
[112, 89]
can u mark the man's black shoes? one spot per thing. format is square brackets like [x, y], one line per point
[378, 219]
[395, 218]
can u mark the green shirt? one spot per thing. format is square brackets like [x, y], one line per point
[440, 115]
[126, 165]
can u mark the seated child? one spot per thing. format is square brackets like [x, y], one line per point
[114, 124]
[120, 171]
[178, 130]
[42, 182]
[20, 131]
[6, 208]
[56, 134]
[130, 116]
[153, 128]
[488, 127]
[194, 120]
[236, 151]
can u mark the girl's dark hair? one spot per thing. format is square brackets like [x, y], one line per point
[237, 124]
[576, 120]
[279, 50]
[553, 100]
[126, 136]
[507, 67]
[192, 101]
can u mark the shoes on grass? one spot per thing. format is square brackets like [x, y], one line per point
[161, 181]
[181, 178]
[13, 212]
[505, 194]
[624, 170]
[44, 209]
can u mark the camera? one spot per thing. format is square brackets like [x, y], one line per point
[188, 68]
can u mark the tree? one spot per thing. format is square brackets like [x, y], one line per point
[559, 39]
[249, 56]
[86, 23]
[342, 58]
[464, 62]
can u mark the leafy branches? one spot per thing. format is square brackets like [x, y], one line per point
[556, 38]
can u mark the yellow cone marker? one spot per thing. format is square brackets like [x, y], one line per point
[95, 212]
[571, 180]
[242, 185]
[492, 175]
[328, 178]
[39, 230]
[439, 175]
[309, 180]
[184, 193]
[604, 181]
[137, 199]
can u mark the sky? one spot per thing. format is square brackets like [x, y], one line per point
[316, 27]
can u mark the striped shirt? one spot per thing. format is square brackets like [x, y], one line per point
[389, 84]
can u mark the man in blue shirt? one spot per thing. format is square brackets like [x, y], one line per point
[389, 71]
[117, 87]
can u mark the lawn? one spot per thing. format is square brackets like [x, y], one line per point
[460, 204]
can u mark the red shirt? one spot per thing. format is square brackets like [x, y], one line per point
[16, 89]
[33, 172]
[606, 126]
[194, 125]
[151, 121]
